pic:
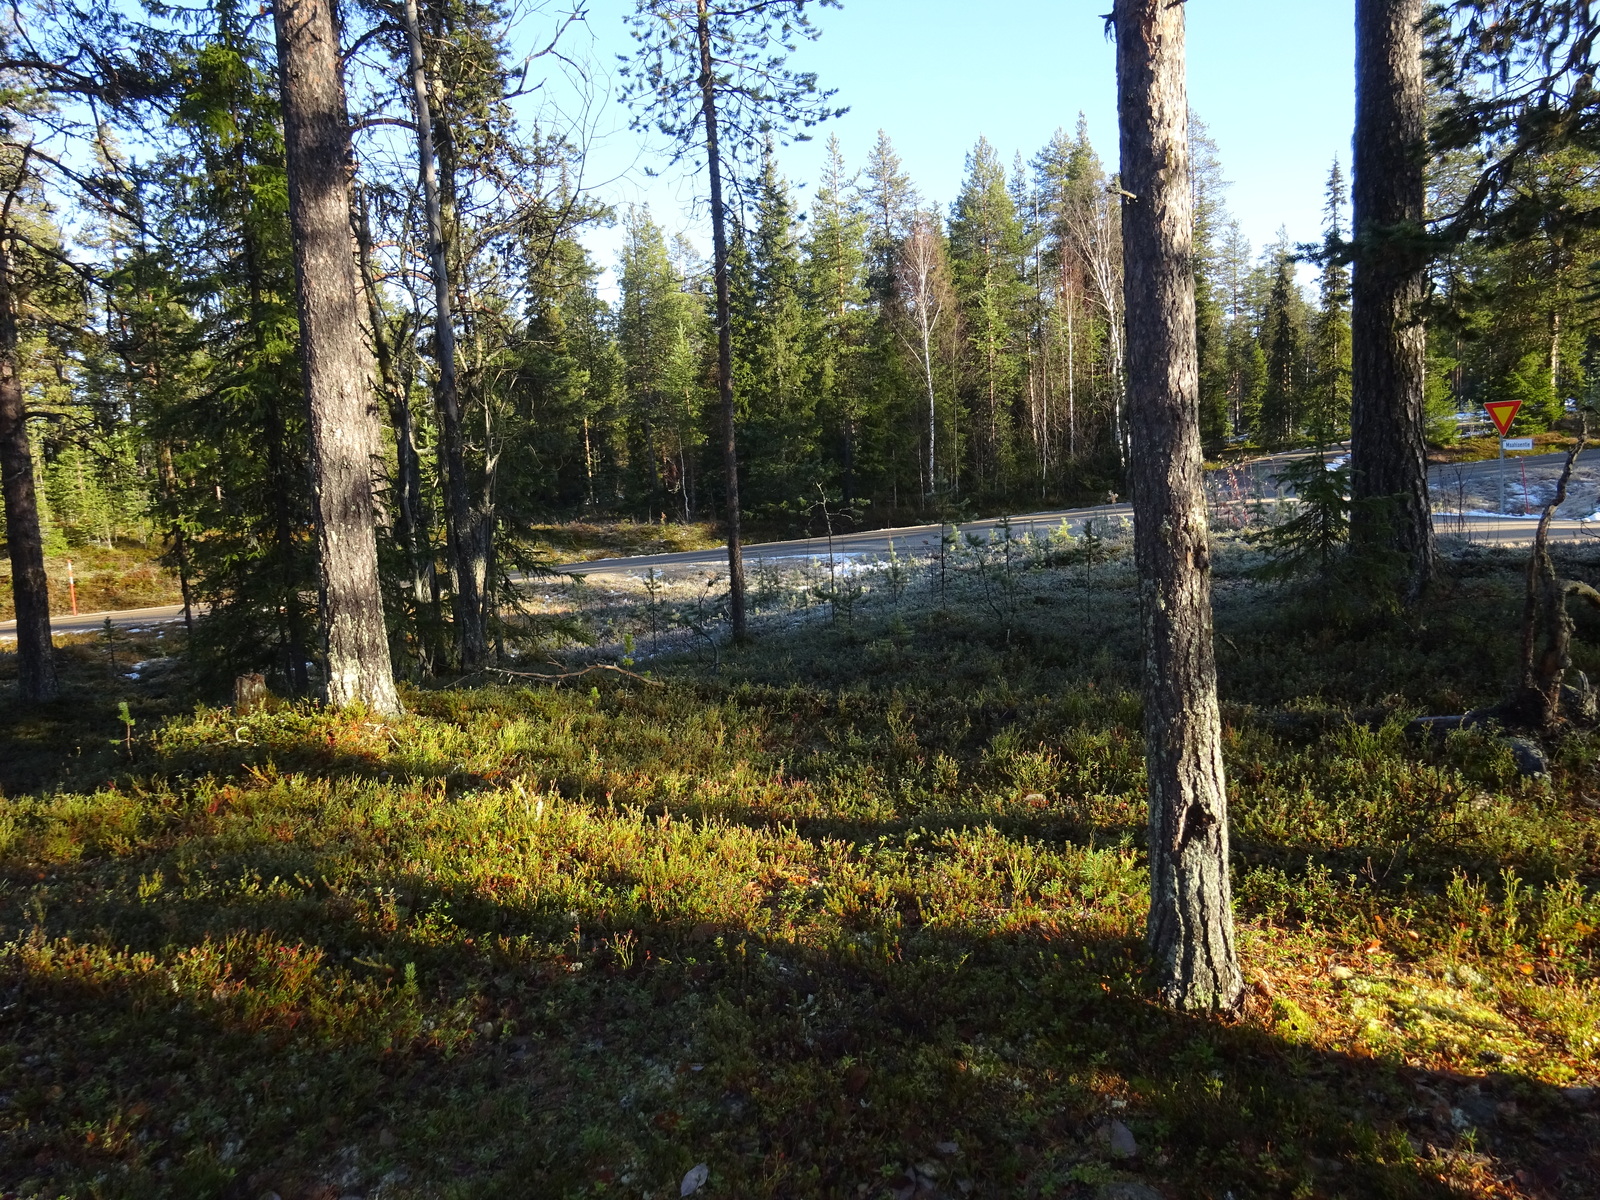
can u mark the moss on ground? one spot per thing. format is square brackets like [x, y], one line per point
[858, 916]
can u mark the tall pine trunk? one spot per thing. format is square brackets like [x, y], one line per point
[335, 362]
[1390, 514]
[461, 532]
[719, 243]
[30, 588]
[1190, 931]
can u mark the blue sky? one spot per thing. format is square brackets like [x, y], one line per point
[1272, 79]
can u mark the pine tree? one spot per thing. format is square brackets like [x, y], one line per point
[1388, 462]
[336, 364]
[1190, 928]
[714, 79]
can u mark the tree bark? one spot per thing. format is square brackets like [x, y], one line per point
[461, 535]
[30, 588]
[719, 243]
[1190, 930]
[335, 362]
[1390, 512]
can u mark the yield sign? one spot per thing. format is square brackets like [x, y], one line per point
[1502, 413]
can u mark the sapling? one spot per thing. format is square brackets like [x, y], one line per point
[128, 722]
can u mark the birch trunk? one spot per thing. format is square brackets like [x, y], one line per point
[1388, 454]
[335, 362]
[1190, 930]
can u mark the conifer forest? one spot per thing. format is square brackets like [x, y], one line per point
[833, 690]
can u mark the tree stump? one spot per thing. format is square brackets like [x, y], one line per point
[249, 694]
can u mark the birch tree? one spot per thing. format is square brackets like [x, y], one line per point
[923, 285]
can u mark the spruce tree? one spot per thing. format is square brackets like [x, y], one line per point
[660, 333]
[986, 242]
[779, 408]
[231, 420]
[835, 293]
[1328, 413]
[1283, 345]
[1206, 183]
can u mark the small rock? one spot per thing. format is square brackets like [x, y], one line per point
[947, 1147]
[694, 1179]
[1529, 756]
[1123, 1144]
[1578, 1097]
[1479, 1110]
[387, 1139]
[1128, 1191]
[1340, 971]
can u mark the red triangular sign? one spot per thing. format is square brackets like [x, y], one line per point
[1502, 413]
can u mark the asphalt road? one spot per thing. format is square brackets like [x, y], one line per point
[924, 539]
[128, 618]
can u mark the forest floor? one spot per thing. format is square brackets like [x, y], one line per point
[854, 911]
[124, 575]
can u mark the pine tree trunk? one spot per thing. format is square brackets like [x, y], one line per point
[30, 588]
[719, 240]
[461, 535]
[1190, 931]
[180, 545]
[1390, 512]
[335, 362]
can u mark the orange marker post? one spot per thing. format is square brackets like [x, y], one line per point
[72, 588]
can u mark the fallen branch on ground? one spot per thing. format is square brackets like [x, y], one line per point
[542, 678]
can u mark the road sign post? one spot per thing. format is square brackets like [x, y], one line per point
[1502, 413]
